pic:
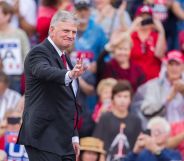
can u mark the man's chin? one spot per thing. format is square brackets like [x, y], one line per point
[67, 46]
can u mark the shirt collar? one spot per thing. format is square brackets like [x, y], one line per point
[56, 48]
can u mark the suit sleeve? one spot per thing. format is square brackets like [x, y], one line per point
[41, 68]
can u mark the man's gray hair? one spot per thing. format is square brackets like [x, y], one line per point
[63, 16]
[161, 122]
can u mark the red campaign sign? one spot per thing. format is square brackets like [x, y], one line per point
[160, 10]
[11, 139]
[87, 54]
[15, 152]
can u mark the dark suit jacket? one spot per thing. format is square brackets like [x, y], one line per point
[50, 105]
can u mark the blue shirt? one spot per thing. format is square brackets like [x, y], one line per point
[92, 39]
[180, 23]
[145, 155]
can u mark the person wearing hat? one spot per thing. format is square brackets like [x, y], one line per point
[90, 36]
[163, 95]
[149, 44]
[91, 149]
[162, 11]
[120, 67]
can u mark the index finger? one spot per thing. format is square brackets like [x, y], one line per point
[81, 59]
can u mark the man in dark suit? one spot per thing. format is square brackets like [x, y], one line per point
[49, 130]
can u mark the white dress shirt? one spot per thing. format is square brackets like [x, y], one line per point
[75, 139]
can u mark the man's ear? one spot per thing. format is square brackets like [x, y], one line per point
[51, 29]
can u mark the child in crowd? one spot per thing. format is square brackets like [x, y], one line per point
[9, 128]
[91, 149]
[110, 123]
[104, 91]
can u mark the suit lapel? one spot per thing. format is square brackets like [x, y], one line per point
[54, 53]
[60, 63]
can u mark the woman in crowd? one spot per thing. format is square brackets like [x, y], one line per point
[14, 46]
[104, 91]
[91, 149]
[120, 66]
[149, 43]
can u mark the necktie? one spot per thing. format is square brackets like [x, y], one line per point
[63, 57]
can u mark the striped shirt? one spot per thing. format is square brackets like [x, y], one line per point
[8, 101]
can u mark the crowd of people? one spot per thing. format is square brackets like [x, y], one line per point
[132, 94]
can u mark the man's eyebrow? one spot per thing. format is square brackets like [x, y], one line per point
[67, 30]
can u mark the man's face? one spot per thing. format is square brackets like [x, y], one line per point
[106, 94]
[122, 52]
[174, 70]
[4, 18]
[89, 156]
[83, 15]
[158, 132]
[122, 100]
[63, 34]
[147, 26]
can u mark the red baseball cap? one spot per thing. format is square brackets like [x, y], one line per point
[144, 9]
[175, 55]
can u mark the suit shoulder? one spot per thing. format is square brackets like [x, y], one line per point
[37, 50]
[40, 48]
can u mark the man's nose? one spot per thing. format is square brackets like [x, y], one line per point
[71, 34]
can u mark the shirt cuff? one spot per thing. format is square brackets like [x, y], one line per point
[67, 79]
[75, 139]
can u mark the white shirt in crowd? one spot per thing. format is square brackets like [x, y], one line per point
[8, 101]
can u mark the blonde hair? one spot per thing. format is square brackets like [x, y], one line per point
[122, 38]
[109, 82]
[159, 121]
